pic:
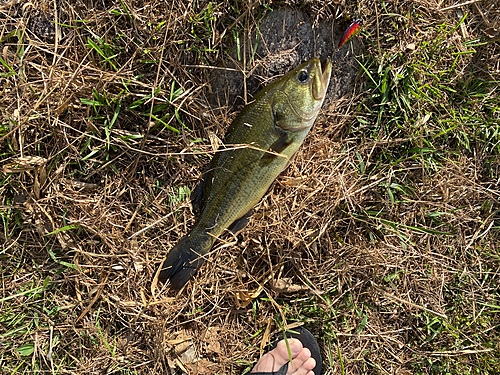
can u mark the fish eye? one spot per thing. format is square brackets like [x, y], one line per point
[302, 76]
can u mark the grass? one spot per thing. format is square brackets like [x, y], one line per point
[382, 237]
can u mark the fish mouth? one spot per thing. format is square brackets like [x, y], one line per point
[320, 85]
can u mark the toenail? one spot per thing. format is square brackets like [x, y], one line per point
[310, 363]
[307, 352]
[295, 346]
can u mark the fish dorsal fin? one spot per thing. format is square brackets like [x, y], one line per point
[197, 196]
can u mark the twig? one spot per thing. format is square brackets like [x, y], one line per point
[96, 297]
[388, 295]
[459, 5]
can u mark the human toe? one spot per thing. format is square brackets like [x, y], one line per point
[278, 357]
[302, 363]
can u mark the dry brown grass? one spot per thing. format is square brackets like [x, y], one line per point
[407, 284]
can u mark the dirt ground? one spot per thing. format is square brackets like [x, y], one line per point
[382, 237]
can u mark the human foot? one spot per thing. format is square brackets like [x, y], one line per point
[274, 360]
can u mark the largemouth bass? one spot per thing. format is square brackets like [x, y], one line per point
[258, 145]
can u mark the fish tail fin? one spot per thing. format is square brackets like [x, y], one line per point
[182, 262]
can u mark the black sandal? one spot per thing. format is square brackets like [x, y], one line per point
[308, 341]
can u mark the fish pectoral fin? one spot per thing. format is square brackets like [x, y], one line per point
[241, 223]
[276, 148]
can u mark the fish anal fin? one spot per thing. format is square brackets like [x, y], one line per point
[241, 223]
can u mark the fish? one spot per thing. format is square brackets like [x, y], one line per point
[350, 31]
[258, 145]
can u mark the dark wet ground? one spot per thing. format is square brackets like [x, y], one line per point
[285, 39]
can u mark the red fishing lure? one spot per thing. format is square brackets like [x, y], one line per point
[351, 30]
